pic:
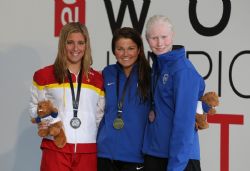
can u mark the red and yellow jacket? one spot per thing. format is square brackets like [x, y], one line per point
[90, 110]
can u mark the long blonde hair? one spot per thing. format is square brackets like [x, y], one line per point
[60, 64]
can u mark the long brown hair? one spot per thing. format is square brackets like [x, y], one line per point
[60, 64]
[143, 65]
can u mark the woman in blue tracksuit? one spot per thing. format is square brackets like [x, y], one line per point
[171, 141]
[127, 86]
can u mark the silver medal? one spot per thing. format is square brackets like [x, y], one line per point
[75, 123]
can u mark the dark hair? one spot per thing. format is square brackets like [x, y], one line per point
[143, 65]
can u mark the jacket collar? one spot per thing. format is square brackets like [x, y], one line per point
[175, 54]
[120, 68]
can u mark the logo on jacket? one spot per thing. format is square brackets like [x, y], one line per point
[164, 78]
[110, 83]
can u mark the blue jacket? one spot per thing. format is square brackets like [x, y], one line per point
[177, 87]
[124, 144]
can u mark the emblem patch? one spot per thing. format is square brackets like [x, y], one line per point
[164, 78]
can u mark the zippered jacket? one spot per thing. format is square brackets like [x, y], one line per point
[90, 110]
[124, 144]
[176, 88]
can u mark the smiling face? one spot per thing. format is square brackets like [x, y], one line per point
[160, 38]
[75, 48]
[126, 52]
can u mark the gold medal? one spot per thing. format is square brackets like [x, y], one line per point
[118, 123]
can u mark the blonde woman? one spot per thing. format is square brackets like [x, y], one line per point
[77, 91]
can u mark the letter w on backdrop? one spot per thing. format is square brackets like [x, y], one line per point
[137, 24]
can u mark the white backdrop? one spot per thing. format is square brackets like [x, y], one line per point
[27, 42]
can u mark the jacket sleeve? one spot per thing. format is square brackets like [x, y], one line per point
[186, 93]
[100, 110]
[101, 101]
[37, 94]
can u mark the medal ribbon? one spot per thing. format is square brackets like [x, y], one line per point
[75, 100]
[121, 101]
[153, 87]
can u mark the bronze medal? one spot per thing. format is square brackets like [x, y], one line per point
[118, 123]
[151, 116]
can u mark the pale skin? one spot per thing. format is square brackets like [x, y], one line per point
[126, 53]
[160, 41]
[160, 38]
